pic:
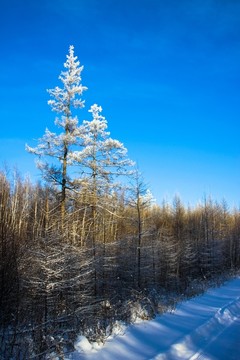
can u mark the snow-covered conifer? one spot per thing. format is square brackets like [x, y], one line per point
[54, 149]
[101, 158]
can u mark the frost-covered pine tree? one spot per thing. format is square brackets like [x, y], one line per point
[101, 159]
[54, 149]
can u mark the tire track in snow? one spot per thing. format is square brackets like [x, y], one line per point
[192, 346]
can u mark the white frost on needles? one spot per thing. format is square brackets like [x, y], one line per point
[100, 155]
[71, 79]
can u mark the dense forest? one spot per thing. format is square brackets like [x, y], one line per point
[88, 246]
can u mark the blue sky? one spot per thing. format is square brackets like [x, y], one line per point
[166, 73]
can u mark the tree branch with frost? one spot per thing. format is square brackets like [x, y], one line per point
[102, 158]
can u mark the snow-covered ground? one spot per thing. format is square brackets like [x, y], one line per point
[205, 327]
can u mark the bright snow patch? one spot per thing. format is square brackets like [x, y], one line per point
[205, 327]
[82, 344]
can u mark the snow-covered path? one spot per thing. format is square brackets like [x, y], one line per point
[206, 327]
[225, 346]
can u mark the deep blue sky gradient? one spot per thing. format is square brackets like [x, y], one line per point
[166, 73]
